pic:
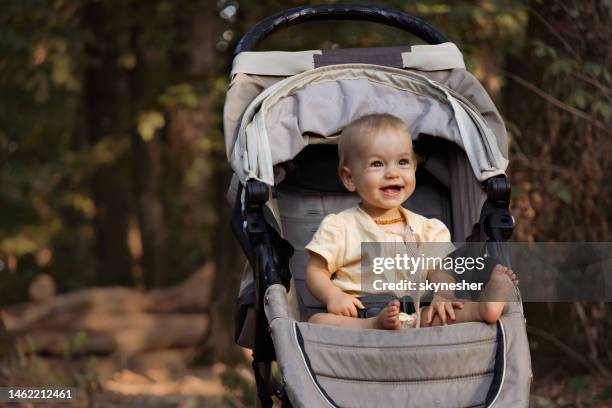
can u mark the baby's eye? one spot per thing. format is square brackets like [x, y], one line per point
[404, 162]
[376, 163]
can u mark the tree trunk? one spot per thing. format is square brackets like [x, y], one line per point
[105, 96]
[228, 256]
[229, 263]
[146, 165]
[8, 349]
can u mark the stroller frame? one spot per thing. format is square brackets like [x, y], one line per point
[268, 253]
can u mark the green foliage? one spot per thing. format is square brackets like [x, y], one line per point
[48, 164]
[579, 385]
[149, 123]
[236, 382]
[179, 95]
[587, 77]
[605, 394]
[562, 190]
[32, 369]
[75, 345]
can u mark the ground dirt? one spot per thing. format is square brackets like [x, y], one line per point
[170, 379]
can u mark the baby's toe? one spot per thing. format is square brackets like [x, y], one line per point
[499, 269]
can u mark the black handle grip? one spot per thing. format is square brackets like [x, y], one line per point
[326, 12]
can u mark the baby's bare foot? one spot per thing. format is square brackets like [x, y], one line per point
[497, 292]
[511, 275]
[388, 318]
[501, 283]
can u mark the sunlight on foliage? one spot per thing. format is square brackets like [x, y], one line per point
[127, 60]
[19, 245]
[180, 95]
[106, 151]
[148, 123]
[426, 9]
[81, 203]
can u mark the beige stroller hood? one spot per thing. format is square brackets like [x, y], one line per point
[280, 117]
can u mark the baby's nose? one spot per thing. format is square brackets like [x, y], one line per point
[391, 172]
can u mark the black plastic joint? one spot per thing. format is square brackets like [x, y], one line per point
[256, 194]
[499, 225]
[498, 191]
[255, 226]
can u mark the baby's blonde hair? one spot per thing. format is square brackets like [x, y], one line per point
[365, 127]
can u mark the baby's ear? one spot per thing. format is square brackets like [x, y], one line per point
[347, 178]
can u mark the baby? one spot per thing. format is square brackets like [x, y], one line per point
[377, 161]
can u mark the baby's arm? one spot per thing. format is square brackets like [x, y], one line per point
[318, 282]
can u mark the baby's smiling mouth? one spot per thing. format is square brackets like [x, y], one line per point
[392, 189]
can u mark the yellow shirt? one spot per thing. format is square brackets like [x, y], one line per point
[339, 239]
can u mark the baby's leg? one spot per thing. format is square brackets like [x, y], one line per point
[499, 287]
[388, 319]
[498, 290]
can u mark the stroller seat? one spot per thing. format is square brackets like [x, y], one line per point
[302, 208]
[464, 365]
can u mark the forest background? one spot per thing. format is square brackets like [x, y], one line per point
[113, 169]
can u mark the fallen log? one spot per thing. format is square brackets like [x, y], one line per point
[28, 316]
[192, 295]
[115, 319]
[128, 334]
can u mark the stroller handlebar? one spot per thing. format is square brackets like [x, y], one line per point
[327, 12]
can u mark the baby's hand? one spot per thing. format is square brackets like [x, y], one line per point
[344, 304]
[442, 307]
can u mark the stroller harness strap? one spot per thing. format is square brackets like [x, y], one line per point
[375, 303]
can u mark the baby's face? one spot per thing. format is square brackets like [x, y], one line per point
[382, 169]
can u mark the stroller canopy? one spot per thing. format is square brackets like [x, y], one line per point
[286, 114]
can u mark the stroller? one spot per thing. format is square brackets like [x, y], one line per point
[282, 115]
